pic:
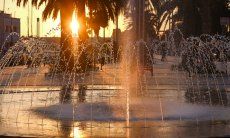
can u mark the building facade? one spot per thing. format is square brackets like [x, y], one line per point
[8, 24]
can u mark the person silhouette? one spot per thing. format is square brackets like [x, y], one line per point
[102, 61]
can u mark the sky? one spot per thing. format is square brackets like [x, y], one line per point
[45, 26]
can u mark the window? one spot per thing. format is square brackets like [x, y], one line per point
[14, 29]
[9, 29]
[6, 29]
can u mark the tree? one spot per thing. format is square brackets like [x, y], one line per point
[97, 20]
[66, 9]
[100, 12]
[215, 10]
[81, 16]
[201, 16]
[157, 15]
[192, 20]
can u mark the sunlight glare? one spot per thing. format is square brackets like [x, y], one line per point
[74, 26]
[76, 133]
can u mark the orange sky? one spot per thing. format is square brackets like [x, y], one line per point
[22, 13]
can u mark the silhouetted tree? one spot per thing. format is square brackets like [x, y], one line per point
[108, 9]
[210, 12]
[201, 16]
[159, 14]
[188, 18]
[66, 9]
[102, 11]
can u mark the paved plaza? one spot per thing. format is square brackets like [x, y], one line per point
[168, 103]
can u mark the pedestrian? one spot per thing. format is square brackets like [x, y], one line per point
[102, 61]
[163, 52]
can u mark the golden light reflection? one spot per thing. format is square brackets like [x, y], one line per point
[76, 133]
[74, 26]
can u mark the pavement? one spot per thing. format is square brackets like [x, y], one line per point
[169, 109]
[113, 74]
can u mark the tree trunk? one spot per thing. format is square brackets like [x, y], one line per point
[81, 15]
[191, 18]
[66, 54]
[117, 27]
[205, 12]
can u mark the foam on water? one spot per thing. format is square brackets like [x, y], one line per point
[139, 111]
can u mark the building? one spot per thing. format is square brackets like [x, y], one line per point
[8, 24]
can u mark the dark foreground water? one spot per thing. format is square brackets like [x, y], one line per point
[115, 113]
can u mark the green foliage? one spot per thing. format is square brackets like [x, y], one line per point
[193, 17]
[158, 15]
[201, 16]
[100, 11]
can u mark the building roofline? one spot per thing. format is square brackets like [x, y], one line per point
[7, 15]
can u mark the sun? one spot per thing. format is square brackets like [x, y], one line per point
[74, 26]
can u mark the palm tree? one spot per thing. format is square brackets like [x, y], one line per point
[100, 12]
[191, 20]
[66, 9]
[202, 16]
[81, 16]
[210, 12]
[109, 8]
[97, 20]
[158, 15]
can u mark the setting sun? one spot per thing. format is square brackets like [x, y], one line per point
[74, 26]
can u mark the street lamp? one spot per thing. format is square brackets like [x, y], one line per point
[4, 6]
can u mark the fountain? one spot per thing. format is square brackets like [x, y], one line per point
[185, 89]
[182, 94]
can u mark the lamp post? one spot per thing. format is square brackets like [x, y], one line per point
[104, 34]
[4, 29]
[31, 21]
[11, 29]
[139, 25]
[4, 2]
[28, 21]
[117, 27]
[38, 27]
[140, 19]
